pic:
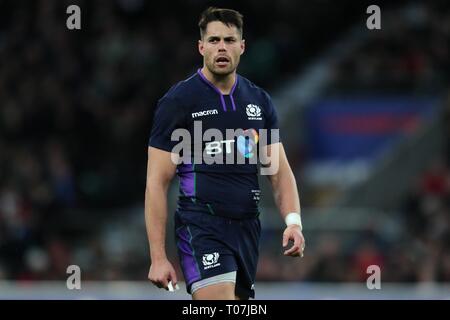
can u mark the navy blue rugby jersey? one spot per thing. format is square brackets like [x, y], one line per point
[228, 187]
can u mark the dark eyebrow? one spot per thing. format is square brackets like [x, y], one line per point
[228, 38]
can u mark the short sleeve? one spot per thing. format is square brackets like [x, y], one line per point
[168, 117]
[271, 121]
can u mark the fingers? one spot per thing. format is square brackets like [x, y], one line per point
[297, 248]
[167, 280]
[165, 284]
[285, 239]
[172, 285]
[293, 251]
[160, 283]
[173, 277]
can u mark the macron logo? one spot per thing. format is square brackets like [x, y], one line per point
[204, 113]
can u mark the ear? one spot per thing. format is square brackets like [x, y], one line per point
[242, 46]
[201, 47]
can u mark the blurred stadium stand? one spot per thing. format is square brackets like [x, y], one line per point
[76, 111]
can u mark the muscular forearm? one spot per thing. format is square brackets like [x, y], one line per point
[156, 219]
[285, 192]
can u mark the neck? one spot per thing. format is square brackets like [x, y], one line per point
[222, 82]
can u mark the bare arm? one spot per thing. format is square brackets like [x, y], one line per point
[160, 171]
[286, 197]
[283, 184]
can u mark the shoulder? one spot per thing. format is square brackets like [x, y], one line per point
[250, 87]
[182, 91]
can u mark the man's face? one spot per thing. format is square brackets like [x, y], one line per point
[221, 48]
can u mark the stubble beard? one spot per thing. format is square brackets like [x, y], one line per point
[220, 72]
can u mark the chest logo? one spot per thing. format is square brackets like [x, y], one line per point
[253, 112]
[204, 113]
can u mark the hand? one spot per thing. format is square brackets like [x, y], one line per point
[161, 272]
[294, 233]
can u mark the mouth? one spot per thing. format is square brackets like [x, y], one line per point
[222, 61]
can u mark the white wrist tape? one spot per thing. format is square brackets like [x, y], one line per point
[293, 218]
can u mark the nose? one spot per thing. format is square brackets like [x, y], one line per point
[222, 46]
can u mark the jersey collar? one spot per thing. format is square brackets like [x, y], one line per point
[222, 100]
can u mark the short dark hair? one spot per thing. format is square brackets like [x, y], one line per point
[226, 16]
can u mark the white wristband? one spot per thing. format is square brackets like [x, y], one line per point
[293, 218]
